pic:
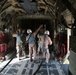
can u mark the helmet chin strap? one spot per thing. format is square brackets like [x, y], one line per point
[45, 35]
[29, 33]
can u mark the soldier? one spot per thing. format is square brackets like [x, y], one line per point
[46, 42]
[32, 42]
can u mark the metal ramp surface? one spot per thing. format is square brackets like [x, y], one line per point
[25, 67]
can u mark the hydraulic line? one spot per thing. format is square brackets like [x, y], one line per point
[38, 68]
